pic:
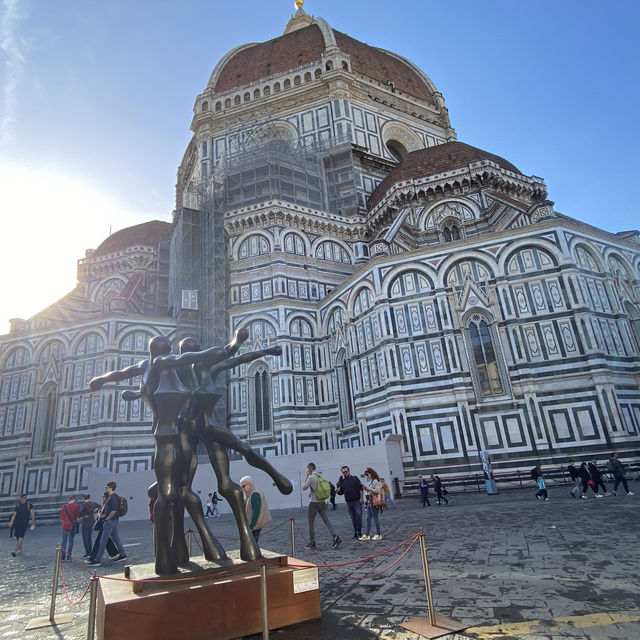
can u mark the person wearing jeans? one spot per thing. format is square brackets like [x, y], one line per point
[372, 486]
[351, 488]
[69, 518]
[110, 527]
[317, 507]
[616, 467]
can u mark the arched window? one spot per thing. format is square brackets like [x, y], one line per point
[409, 283]
[332, 251]
[254, 245]
[486, 368]
[364, 301]
[300, 328]
[397, 150]
[261, 413]
[337, 319]
[46, 420]
[293, 243]
[450, 231]
[634, 320]
[345, 393]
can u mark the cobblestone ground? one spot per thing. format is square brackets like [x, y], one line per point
[507, 566]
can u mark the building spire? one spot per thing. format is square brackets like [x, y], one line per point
[300, 19]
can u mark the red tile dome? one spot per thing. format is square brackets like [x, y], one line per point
[253, 62]
[146, 234]
[434, 160]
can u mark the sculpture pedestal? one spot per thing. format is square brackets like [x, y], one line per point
[220, 603]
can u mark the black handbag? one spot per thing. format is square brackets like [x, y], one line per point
[76, 528]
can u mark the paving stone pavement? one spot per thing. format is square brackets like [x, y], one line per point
[507, 565]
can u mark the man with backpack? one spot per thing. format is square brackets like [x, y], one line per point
[617, 470]
[114, 508]
[319, 492]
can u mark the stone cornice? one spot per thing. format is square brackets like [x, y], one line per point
[286, 214]
[483, 173]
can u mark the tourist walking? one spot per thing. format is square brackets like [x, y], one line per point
[318, 494]
[598, 483]
[585, 478]
[575, 476]
[214, 501]
[423, 485]
[387, 493]
[88, 509]
[256, 508]
[536, 474]
[617, 469]
[332, 497]
[208, 503]
[374, 502]
[22, 514]
[351, 488]
[438, 487]
[110, 527]
[111, 548]
[69, 519]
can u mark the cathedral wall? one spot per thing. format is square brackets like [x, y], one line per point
[395, 351]
[53, 428]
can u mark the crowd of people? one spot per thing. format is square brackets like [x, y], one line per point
[365, 500]
[588, 476]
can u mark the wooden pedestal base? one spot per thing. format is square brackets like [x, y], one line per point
[222, 603]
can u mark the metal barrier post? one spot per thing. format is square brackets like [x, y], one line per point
[293, 537]
[54, 589]
[427, 580]
[263, 601]
[189, 542]
[93, 596]
[431, 628]
[51, 620]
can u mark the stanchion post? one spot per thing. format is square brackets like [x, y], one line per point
[189, 542]
[433, 628]
[293, 537]
[93, 596]
[263, 601]
[427, 580]
[51, 620]
[54, 589]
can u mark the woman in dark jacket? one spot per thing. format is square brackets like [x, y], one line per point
[596, 476]
[438, 487]
[586, 480]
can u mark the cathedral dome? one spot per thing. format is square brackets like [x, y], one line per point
[313, 40]
[146, 234]
[434, 160]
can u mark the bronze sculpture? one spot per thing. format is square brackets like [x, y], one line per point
[180, 390]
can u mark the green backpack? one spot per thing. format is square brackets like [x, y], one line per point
[323, 489]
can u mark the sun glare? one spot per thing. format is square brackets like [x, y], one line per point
[49, 220]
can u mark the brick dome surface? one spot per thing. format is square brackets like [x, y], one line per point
[434, 160]
[147, 234]
[254, 62]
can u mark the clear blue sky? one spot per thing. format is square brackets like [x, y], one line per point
[97, 99]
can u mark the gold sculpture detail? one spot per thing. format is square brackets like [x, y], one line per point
[299, 4]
